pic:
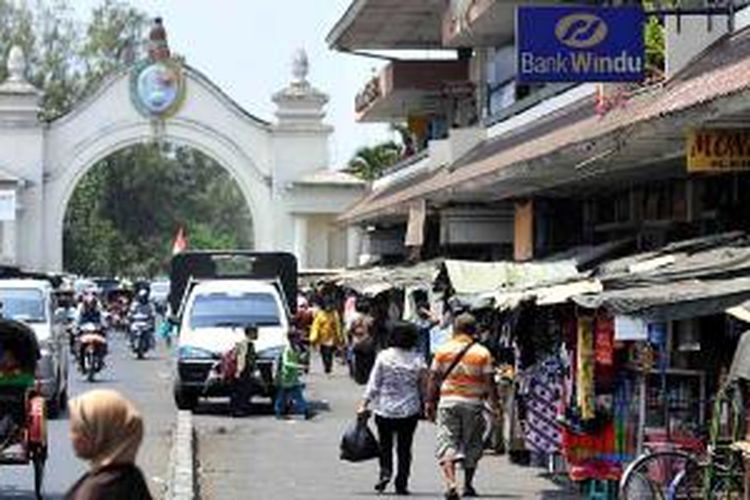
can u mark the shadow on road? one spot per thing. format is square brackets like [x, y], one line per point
[221, 408]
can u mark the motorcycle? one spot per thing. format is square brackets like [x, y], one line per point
[141, 332]
[92, 343]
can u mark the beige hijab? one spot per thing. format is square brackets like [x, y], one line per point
[111, 422]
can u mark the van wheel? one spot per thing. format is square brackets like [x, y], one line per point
[185, 399]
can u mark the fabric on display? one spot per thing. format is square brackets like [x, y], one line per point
[544, 433]
[585, 396]
[604, 347]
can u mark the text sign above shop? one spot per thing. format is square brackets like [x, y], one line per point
[580, 44]
[718, 150]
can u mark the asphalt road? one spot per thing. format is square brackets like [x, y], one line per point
[261, 457]
[146, 382]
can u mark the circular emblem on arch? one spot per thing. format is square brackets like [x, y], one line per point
[581, 31]
[157, 88]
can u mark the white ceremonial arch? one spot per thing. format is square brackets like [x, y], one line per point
[282, 168]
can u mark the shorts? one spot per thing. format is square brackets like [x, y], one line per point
[460, 434]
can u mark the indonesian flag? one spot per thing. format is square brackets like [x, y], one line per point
[180, 241]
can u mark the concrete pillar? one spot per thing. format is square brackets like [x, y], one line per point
[22, 156]
[354, 245]
[300, 241]
[9, 241]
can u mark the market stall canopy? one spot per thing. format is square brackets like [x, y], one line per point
[718, 256]
[740, 312]
[375, 280]
[672, 301]
[685, 279]
[472, 278]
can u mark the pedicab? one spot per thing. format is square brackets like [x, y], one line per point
[23, 425]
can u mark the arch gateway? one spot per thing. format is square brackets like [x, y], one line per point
[281, 167]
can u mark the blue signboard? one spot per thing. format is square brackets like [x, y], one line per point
[580, 44]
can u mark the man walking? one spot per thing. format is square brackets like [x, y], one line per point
[461, 380]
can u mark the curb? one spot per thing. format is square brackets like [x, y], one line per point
[181, 475]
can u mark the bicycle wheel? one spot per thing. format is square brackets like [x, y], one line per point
[665, 475]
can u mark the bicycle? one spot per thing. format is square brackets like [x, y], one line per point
[678, 475]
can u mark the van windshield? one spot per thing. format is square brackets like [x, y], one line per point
[22, 305]
[222, 309]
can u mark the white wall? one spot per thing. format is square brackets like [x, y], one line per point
[264, 159]
[692, 38]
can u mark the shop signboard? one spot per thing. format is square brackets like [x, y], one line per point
[718, 150]
[580, 44]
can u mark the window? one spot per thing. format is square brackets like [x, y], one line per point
[227, 310]
[23, 305]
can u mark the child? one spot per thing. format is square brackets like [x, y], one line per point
[290, 386]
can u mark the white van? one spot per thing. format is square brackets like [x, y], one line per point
[32, 302]
[213, 320]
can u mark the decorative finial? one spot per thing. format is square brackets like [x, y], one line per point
[16, 65]
[300, 66]
[158, 48]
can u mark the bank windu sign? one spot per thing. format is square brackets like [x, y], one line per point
[580, 44]
[718, 150]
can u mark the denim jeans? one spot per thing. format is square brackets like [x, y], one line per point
[297, 398]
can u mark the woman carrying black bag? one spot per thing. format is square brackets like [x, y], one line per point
[393, 393]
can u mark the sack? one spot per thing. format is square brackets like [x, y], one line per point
[358, 443]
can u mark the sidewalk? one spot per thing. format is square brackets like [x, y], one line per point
[261, 457]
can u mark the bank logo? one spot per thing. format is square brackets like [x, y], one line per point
[581, 31]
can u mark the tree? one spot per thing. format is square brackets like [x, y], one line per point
[369, 162]
[655, 42]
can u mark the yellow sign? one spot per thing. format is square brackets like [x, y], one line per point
[718, 150]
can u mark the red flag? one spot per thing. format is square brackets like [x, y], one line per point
[180, 241]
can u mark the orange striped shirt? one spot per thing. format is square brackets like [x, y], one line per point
[466, 383]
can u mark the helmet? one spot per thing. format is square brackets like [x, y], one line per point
[142, 295]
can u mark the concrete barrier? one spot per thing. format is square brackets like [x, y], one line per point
[181, 481]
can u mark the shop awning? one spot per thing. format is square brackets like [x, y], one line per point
[375, 280]
[473, 278]
[740, 312]
[672, 301]
[579, 146]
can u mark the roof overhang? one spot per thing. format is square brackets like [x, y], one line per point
[389, 24]
[482, 23]
[413, 88]
[634, 139]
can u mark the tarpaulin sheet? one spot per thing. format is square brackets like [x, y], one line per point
[468, 277]
[374, 280]
[672, 301]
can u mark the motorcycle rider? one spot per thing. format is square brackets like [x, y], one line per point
[143, 306]
[89, 312]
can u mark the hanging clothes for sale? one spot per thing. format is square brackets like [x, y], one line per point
[543, 432]
[585, 361]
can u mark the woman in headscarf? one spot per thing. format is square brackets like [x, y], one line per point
[107, 430]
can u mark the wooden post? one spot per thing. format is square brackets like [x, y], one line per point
[523, 237]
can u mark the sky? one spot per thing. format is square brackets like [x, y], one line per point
[246, 48]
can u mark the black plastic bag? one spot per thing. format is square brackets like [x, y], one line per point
[358, 443]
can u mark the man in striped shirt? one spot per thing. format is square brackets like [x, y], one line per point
[462, 394]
